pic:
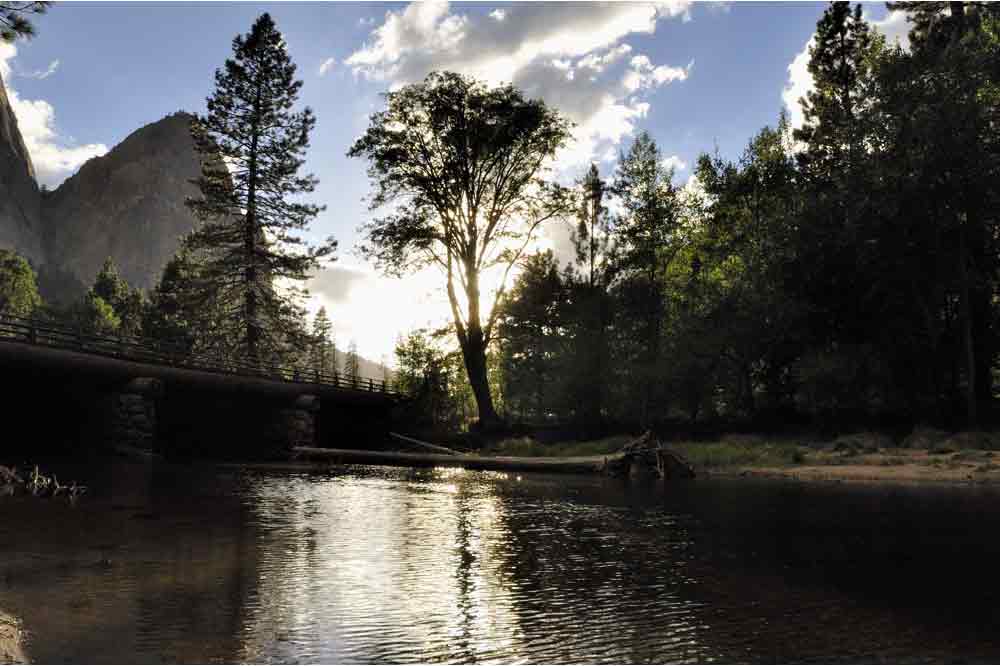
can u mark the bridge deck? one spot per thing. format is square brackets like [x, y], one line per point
[61, 348]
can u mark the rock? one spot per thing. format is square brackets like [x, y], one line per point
[127, 205]
[20, 200]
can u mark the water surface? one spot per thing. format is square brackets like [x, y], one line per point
[178, 563]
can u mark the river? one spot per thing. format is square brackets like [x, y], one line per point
[174, 563]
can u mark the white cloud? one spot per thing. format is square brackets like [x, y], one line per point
[43, 73]
[675, 162]
[54, 156]
[498, 14]
[574, 57]
[800, 83]
[326, 66]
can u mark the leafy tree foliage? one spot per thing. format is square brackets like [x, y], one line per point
[18, 289]
[462, 164]
[252, 145]
[847, 271]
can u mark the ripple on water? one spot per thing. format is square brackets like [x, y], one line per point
[382, 565]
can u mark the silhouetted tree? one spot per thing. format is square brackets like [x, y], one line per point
[252, 145]
[462, 164]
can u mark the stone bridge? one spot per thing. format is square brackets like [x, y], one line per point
[70, 389]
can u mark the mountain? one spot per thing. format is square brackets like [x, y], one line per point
[20, 201]
[127, 205]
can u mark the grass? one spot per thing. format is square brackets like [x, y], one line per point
[738, 454]
[530, 448]
[727, 453]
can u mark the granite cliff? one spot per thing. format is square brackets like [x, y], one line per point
[127, 204]
[20, 201]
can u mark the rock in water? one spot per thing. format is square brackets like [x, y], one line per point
[127, 205]
[20, 201]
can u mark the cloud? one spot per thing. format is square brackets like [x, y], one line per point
[893, 26]
[675, 162]
[800, 83]
[54, 156]
[43, 73]
[335, 283]
[573, 57]
[326, 66]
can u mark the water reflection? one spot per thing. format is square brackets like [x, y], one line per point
[378, 565]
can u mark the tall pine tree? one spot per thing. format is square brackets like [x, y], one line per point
[252, 145]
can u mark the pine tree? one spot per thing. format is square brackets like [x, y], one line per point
[14, 22]
[352, 363]
[18, 288]
[321, 331]
[591, 236]
[252, 145]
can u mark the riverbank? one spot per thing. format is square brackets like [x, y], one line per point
[925, 456]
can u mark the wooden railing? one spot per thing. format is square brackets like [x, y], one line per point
[60, 336]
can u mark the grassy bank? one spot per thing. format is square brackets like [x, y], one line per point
[924, 455]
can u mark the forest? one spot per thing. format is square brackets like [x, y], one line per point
[835, 275]
[838, 274]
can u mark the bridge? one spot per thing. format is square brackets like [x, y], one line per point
[74, 388]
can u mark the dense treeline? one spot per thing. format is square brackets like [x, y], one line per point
[845, 271]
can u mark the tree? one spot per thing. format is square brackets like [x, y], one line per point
[14, 21]
[647, 239]
[128, 304]
[96, 315]
[352, 363]
[18, 289]
[174, 316]
[252, 145]
[531, 331]
[322, 343]
[462, 164]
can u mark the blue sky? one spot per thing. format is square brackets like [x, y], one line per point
[695, 76]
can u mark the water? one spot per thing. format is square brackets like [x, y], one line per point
[205, 564]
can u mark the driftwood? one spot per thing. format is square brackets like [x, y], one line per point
[13, 482]
[647, 456]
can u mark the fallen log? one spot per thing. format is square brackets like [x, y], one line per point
[426, 445]
[589, 465]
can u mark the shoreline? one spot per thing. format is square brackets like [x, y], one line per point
[968, 468]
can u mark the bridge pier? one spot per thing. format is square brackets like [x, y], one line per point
[130, 416]
[295, 425]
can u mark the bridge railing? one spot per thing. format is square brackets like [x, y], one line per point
[60, 336]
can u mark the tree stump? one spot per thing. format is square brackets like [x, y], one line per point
[648, 457]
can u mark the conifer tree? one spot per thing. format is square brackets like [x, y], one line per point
[322, 343]
[352, 364]
[14, 22]
[252, 144]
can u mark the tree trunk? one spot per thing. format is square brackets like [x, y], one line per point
[474, 354]
[965, 319]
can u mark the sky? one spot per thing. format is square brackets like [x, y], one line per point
[698, 76]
